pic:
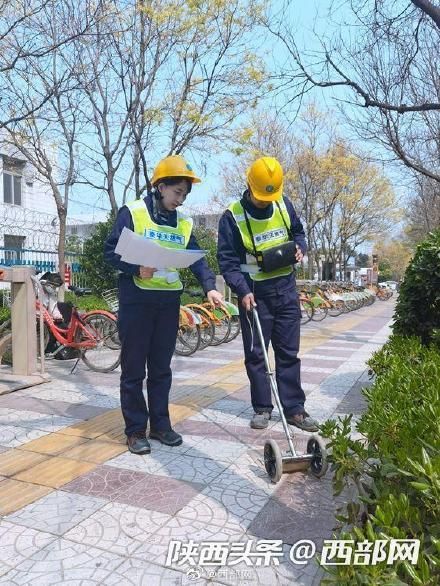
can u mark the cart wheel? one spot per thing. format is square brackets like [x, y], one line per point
[273, 460]
[319, 464]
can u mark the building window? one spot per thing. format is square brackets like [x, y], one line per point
[13, 247]
[12, 188]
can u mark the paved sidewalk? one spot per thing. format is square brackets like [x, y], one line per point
[77, 508]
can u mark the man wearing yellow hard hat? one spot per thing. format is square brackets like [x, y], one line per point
[149, 302]
[260, 239]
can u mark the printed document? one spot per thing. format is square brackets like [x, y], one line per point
[137, 250]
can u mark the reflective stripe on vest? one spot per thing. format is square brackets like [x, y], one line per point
[267, 233]
[166, 236]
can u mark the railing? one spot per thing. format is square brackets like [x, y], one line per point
[43, 261]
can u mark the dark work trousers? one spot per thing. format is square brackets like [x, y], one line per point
[148, 337]
[280, 321]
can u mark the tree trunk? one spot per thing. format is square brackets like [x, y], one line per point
[62, 216]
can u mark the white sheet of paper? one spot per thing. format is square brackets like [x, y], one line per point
[137, 250]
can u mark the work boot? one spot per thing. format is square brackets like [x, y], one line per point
[303, 421]
[138, 444]
[260, 420]
[169, 437]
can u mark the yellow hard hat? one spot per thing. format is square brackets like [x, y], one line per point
[265, 179]
[174, 166]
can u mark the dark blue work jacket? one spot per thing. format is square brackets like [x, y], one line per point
[231, 252]
[128, 291]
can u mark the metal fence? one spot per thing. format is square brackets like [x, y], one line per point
[45, 260]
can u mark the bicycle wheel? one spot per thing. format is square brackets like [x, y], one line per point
[319, 313]
[207, 327]
[235, 328]
[306, 311]
[188, 334]
[336, 308]
[106, 355]
[222, 326]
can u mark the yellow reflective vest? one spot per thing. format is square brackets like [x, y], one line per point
[166, 236]
[267, 233]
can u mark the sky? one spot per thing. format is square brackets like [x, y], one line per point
[87, 205]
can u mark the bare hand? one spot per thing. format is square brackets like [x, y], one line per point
[299, 255]
[215, 298]
[248, 302]
[146, 272]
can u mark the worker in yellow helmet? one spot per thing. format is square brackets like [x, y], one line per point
[260, 239]
[149, 302]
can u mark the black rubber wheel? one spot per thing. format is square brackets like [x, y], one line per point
[273, 461]
[319, 463]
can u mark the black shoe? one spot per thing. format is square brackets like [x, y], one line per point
[169, 438]
[138, 444]
[303, 421]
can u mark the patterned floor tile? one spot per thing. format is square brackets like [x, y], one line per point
[65, 562]
[230, 405]
[283, 573]
[108, 423]
[55, 472]
[79, 395]
[159, 493]
[202, 429]
[17, 543]
[191, 469]
[246, 477]
[225, 507]
[14, 436]
[301, 508]
[14, 494]
[135, 572]
[213, 416]
[57, 512]
[55, 406]
[95, 451]
[184, 530]
[53, 444]
[14, 461]
[189, 441]
[104, 482]
[35, 421]
[119, 528]
[218, 449]
[147, 464]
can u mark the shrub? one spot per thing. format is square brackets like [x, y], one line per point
[206, 240]
[5, 314]
[86, 302]
[99, 274]
[396, 469]
[418, 308]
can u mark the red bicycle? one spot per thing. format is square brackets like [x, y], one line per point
[94, 333]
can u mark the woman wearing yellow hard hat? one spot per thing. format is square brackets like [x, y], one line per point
[260, 238]
[149, 302]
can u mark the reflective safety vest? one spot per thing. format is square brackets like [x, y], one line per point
[267, 233]
[166, 236]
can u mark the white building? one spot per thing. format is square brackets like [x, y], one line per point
[28, 215]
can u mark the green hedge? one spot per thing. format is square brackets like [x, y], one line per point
[397, 469]
[418, 307]
[86, 302]
[5, 314]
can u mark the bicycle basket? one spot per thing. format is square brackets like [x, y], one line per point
[112, 299]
